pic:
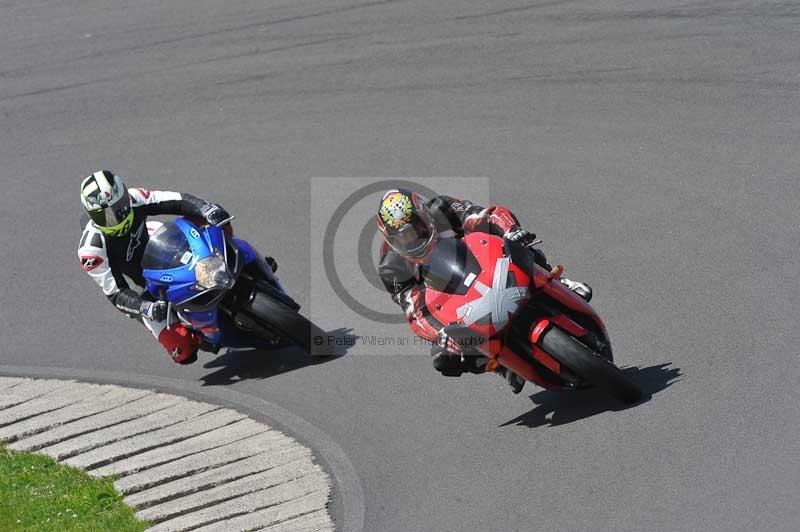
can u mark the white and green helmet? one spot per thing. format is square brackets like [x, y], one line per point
[105, 198]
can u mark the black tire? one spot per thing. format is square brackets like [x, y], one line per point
[590, 366]
[287, 322]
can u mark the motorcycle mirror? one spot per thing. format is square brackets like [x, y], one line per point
[223, 222]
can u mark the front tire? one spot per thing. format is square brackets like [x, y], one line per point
[277, 316]
[590, 366]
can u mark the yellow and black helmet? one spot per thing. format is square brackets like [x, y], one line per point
[406, 223]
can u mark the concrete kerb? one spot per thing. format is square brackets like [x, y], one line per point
[346, 504]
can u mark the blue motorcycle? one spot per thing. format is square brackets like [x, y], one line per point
[223, 290]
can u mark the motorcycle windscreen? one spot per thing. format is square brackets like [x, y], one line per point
[450, 267]
[167, 248]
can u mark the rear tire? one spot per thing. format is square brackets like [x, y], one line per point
[287, 322]
[590, 366]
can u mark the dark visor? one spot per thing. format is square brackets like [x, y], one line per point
[114, 214]
[411, 239]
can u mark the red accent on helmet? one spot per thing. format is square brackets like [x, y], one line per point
[90, 262]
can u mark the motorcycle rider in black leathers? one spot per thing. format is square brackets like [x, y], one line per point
[113, 242]
[410, 224]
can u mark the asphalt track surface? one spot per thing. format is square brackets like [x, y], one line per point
[653, 145]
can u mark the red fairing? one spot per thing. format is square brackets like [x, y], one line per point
[489, 305]
[546, 360]
[538, 330]
[486, 249]
[562, 321]
[415, 314]
[568, 325]
[496, 215]
[180, 342]
[567, 297]
[515, 363]
[90, 262]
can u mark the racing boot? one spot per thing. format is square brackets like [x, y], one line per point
[582, 289]
[515, 381]
[273, 264]
[448, 365]
[451, 364]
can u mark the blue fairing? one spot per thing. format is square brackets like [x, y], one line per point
[248, 253]
[206, 323]
[251, 255]
[169, 262]
[169, 271]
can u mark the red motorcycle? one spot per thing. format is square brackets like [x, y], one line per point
[494, 297]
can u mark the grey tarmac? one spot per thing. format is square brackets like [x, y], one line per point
[652, 145]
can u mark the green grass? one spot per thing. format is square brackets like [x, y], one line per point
[37, 494]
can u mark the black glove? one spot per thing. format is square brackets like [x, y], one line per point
[214, 214]
[153, 310]
[521, 236]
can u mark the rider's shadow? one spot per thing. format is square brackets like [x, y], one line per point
[242, 364]
[558, 408]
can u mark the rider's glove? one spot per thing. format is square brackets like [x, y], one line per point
[445, 343]
[521, 236]
[153, 310]
[214, 214]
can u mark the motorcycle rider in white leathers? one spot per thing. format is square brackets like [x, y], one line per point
[115, 233]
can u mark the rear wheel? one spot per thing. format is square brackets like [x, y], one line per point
[590, 366]
[279, 317]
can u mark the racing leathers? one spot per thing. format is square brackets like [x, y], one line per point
[110, 260]
[453, 218]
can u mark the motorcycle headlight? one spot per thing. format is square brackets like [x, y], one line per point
[211, 272]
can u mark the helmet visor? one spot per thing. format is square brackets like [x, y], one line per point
[114, 213]
[412, 239]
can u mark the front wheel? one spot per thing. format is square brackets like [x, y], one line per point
[279, 317]
[590, 366]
